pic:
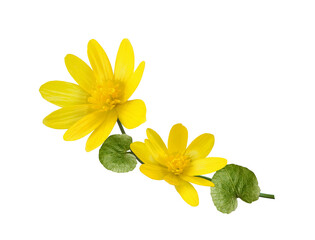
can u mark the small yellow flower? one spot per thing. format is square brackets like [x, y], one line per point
[177, 164]
[100, 97]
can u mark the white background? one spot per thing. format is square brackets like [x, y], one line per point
[242, 70]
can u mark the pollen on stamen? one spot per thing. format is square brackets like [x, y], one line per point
[105, 98]
[177, 163]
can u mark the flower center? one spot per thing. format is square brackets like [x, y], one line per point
[177, 163]
[106, 97]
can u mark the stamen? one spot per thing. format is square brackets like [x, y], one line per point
[177, 163]
[106, 97]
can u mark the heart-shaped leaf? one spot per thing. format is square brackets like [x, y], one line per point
[233, 182]
[114, 156]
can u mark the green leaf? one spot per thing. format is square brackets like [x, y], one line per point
[114, 156]
[233, 182]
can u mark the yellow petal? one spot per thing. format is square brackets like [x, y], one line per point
[153, 171]
[63, 93]
[200, 147]
[124, 65]
[188, 193]
[100, 134]
[80, 72]
[65, 117]
[205, 166]
[197, 180]
[177, 140]
[142, 152]
[158, 155]
[84, 126]
[99, 62]
[156, 140]
[172, 179]
[132, 83]
[132, 113]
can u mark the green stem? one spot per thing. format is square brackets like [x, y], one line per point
[262, 195]
[123, 132]
[136, 157]
[204, 177]
[121, 127]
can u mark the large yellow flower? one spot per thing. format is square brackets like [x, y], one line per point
[99, 99]
[178, 165]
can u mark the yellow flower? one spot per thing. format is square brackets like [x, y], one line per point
[99, 99]
[177, 164]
